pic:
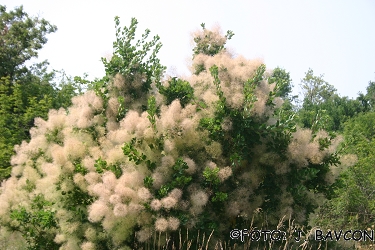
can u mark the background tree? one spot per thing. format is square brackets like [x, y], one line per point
[368, 100]
[316, 90]
[322, 105]
[25, 92]
[353, 202]
[284, 85]
[21, 38]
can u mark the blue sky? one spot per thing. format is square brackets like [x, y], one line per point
[334, 38]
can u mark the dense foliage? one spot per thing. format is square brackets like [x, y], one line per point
[25, 92]
[137, 155]
[321, 102]
[353, 203]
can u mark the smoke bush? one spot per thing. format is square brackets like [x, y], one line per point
[136, 155]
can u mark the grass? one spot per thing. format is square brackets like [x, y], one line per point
[195, 240]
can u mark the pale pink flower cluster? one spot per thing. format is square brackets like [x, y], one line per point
[81, 114]
[233, 72]
[304, 149]
[162, 224]
[225, 173]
